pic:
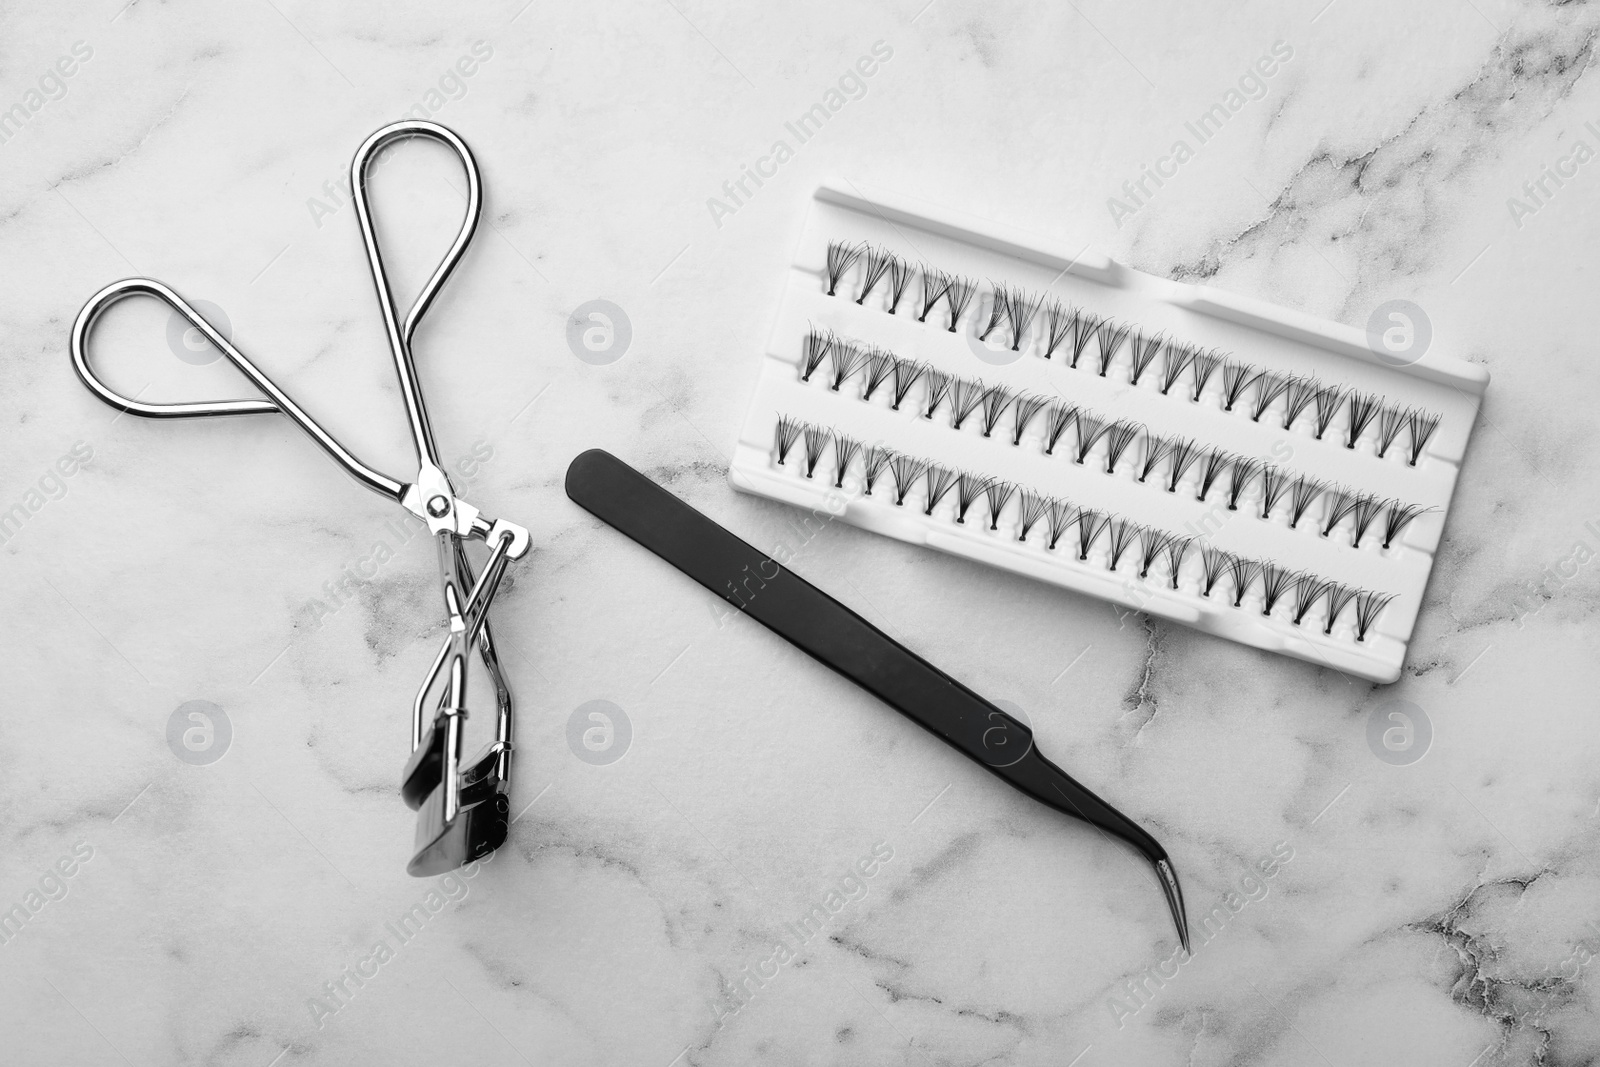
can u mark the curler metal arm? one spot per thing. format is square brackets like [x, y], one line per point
[462, 806]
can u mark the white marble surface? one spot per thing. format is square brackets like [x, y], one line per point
[1442, 912]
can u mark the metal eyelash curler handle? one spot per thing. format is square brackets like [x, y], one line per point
[463, 808]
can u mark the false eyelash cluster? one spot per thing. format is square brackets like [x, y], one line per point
[1057, 524]
[1079, 432]
[1014, 313]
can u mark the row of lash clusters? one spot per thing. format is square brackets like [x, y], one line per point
[1049, 520]
[1079, 430]
[1013, 312]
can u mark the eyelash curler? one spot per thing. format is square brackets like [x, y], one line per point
[463, 808]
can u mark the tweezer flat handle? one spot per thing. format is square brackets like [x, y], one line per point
[828, 630]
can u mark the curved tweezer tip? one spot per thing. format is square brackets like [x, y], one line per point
[1169, 885]
[1050, 785]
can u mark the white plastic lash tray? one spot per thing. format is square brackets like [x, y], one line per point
[1206, 458]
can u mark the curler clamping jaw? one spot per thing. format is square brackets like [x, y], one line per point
[462, 807]
[441, 846]
[482, 786]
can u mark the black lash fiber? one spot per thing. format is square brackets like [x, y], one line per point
[1185, 451]
[845, 360]
[1369, 606]
[1363, 408]
[1023, 410]
[1351, 413]
[841, 255]
[1153, 543]
[1302, 495]
[1084, 327]
[1339, 595]
[1422, 424]
[1020, 310]
[1033, 508]
[1142, 352]
[1213, 562]
[1061, 519]
[994, 402]
[1061, 516]
[1058, 321]
[958, 294]
[999, 309]
[906, 374]
[1298, 395]
[1124, 533]
[1177, 548]
[1091, 524]
[938, 388]
[1205, 364]
[997, 494]
[899, 280]
[1109, 337]
[906, 470]
[1275, 482]
[1242, 572]
[1236, 378]
[1367, 508]
[1396, 517]
[965, 396]
[938, 482]
[1341, 503]
[1391, 420]
[874, 461]
[1156, 449]
[877, 265]
[817, 438]
[1090, 429]
[788, 433]
[1216, 461]
[1173, 364]
[1017, 309]
[817, 347]
[969, 487]
[1329, 399]
[1062, 414]
[1275, 582]
[1239, 478]
[880, 367]
[845, 449]
[1308, 589]
[1119, 436]
[935, 283]
[1269, 387]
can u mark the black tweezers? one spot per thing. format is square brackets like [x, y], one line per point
[823, 627]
